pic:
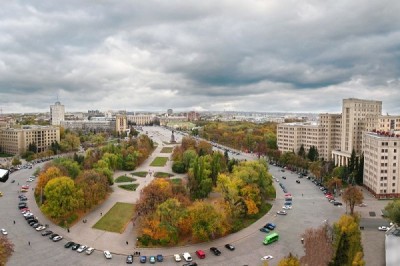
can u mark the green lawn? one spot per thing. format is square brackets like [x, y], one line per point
[139, 174]
[130, 187]
[162, 174]
[167, 150]
[117, 218]
[159, 161]
[124, 178]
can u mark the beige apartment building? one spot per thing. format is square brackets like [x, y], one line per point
[381, 164]
[324, 135]
[17, 140]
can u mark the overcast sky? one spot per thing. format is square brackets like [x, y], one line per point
[251, 55]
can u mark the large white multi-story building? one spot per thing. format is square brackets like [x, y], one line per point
[141, 119]
[57, 113]
[382, 163]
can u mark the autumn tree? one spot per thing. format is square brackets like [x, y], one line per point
[207, 222]
[217, 165]
[204, 148]
[158, 191]
[187, 158]
[318, 247]
[62, 197]
[334, 184]
[347, 242]
[6, 249]
[393, 209]
[71, 142]
[352, 196]
[289, 260]
[46, 176]
[94, 187]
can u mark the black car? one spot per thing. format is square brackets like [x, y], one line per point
[69, 244]
[36, 225]
[53, 236]
[23, 199]
[337, 203]
[230, 247]
[283, 177]
[160, 258]
[75, 246]
[129, 259]
[22, 205]
[190, 264]
[32, 223]
[143, 259]
[47, 232]
[215, 251]
[298, 181]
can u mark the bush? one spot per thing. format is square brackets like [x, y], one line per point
[130, 187]
[124, 178]
[178, 167]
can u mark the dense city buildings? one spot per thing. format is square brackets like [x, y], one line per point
[57, 113]
[361, 127]
[17, 140]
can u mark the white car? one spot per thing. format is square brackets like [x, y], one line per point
[107, 254]
[177, 257]
[89, 251]
[383, 228]
[81, 248]
[40, 228]
[281, 212]
[268, 257]
[187, 256]
[3, 231]
[286, 207]
[57, 238]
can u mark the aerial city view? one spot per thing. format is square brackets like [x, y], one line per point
[243, 133]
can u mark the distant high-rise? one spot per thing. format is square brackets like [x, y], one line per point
[57, 113]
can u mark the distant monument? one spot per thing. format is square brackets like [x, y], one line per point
[172, 138]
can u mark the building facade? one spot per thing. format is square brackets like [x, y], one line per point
[57, 113]
[141, 120]
[381, 164]
[121, 123]
[17, 140]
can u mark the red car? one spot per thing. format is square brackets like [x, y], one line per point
[200, 253]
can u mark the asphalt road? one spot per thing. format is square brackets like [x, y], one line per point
[309, 210]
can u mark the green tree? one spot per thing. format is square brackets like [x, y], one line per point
[352, 196]
[360, 171]
[393, 209]
[200, 183]
[187, 158]
[217, 164]
[302, 151]
[62, 197]
[67, 165]
[6, 249]
[16, 161]
[178, 167]
[313, 154]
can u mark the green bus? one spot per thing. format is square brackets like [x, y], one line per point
[271, 238]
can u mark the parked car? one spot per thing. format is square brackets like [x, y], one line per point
[215, 250]
[268, 257]
[283, 177]
[47, 232]
[107, 254]
[270, 226]
[75, 246]
[337, 203]
[298, 181]
[190, 264]
[57, 238]
[264, 230]
[3, 231]
[281, 212]
[363, 205]
[230, 247]
[160, 258]
[53, 236]
[69, 244]
[152, 259]
[200, 253]
[383, 228]
[89, 251]
[81, 248]
[129, 259]
[177, 257]
[40, 228]
[186, 256]
[287, 207]
[143, 259]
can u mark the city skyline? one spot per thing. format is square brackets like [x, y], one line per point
[255, 56]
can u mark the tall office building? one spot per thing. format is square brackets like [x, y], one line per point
[356, 114]
[57, 113]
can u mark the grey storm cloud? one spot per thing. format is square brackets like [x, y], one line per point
[204, 55]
